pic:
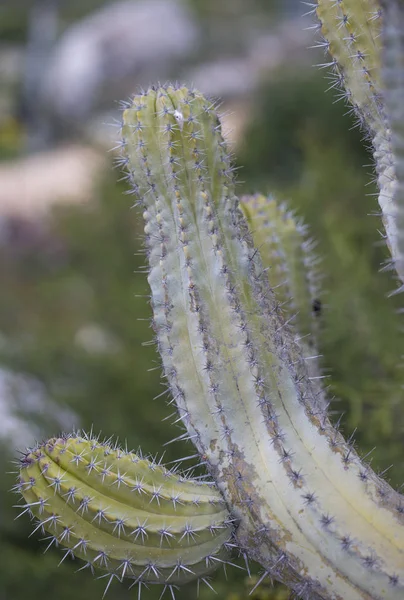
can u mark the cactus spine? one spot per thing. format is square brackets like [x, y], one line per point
[123, 513]
[351, 33]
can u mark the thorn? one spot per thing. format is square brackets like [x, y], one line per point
[206, 582]
[171, 590]
[109, 582]
[260, 580]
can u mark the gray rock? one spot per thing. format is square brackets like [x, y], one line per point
[125, 39]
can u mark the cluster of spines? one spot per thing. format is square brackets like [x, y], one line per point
[177, 109]
[123, 513]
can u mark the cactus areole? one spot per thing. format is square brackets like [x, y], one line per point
[245, 383]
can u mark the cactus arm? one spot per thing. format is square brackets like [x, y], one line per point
[392, 175]
[367, 61]
[123, 513]
[292, 268]
[351, 33]
[287, 255]
[310, 512]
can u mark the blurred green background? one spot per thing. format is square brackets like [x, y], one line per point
[74, 311]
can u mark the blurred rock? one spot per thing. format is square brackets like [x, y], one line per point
[126, 39]
[95, 339]
[265, 53]
[32, 184]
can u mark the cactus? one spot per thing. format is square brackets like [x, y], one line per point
[123, 513]
[307, 508]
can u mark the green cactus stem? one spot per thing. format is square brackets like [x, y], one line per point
[287, 254]
[124, 514]
[365, 40]
[391, 169]
[310, 511]
[351, 31]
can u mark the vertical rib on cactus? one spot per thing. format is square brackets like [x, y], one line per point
[310, 511]
[123, 513]
[354, 35]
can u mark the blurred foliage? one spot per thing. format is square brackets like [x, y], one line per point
[230, 9]
[292, 114]
[14, 15]
[258, 587]
[11, 138]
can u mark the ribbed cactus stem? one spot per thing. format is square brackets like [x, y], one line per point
[351, 33]
[310, 511]
[124, 514]
[287, 254]
[391, 152]
[365, 40]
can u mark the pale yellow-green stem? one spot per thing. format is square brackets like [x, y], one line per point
[365, 40]
[310, 511]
